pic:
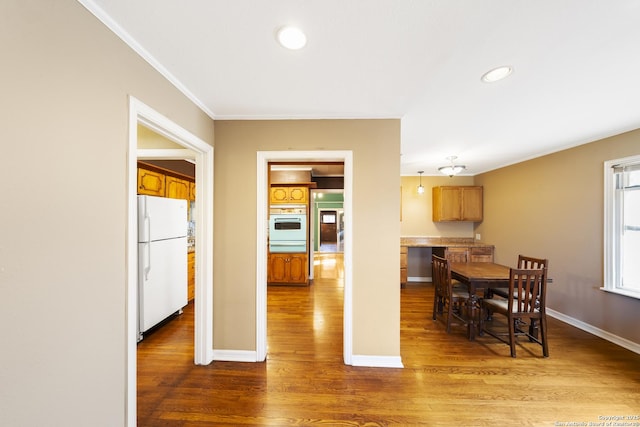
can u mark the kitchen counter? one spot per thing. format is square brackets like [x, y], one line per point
[448, 242]
[478, 251]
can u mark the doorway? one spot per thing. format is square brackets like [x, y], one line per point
[264, 157]
[202, 154]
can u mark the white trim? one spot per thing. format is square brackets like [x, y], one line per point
[611, 238]
[622, 342]
[377, 361]
[139, 113]
[263, 158]
[418, 279]
[166, 154]
[110, 23]
[235, 356]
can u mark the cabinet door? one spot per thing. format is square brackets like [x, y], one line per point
[404, 251]
[446, 204]
[191, 275]
[151, 183]
[192, 191]
[297, 268]
[278, 268]
[471, 203]
[177, 188]
[298, 194]
[279, 195]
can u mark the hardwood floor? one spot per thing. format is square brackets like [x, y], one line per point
[447, 380]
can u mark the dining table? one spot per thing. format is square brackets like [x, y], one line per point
[479, 276]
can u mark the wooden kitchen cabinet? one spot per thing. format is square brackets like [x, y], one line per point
[404, 252]
[151, 183]
[294, 194]
[177, 188]
[481, 254]
[192, 191]
[457, 203]
[288, 268]
[191, 275]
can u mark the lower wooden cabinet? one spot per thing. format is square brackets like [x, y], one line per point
[404, 252]
[286, 268]
[473, 253]
[191, 275]
[481, 253]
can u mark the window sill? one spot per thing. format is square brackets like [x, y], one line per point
[630, 294]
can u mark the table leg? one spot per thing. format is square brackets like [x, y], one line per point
[472, 313]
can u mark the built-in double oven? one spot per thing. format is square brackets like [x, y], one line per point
[288, 229]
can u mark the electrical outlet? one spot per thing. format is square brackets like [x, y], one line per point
[478, 236]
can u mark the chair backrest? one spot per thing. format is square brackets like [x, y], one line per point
[441, 275]
[457, 254]
[529, 263]
[527, 290]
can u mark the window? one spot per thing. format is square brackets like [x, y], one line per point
[622, 226]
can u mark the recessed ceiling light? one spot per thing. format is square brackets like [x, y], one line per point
[291, 37]
[497, 74]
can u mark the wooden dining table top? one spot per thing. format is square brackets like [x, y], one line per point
[479, 271]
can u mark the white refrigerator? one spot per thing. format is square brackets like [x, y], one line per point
[162, 259]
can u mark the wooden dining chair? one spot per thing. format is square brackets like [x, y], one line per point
[524, 262]
[527, 263]
[525, 304]
[447, 298]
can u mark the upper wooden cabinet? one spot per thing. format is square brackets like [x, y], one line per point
[296, 194]
[151, 183]
[156, 181]
[177, 188]
[457, 203]
[192, 191]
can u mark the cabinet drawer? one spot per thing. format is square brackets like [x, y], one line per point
[482, 254]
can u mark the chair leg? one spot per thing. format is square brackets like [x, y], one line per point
[543, 336]
[533, 329]
[512, 336]
[449, 316]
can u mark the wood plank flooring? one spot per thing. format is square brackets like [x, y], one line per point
[447, 380]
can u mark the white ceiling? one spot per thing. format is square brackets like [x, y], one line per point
[576, 66]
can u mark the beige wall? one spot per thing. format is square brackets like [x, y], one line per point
[65, 85]
[376, 162]
[552, 207]
[416, 220]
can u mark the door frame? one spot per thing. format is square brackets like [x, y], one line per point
[202, 153]
[263, 159]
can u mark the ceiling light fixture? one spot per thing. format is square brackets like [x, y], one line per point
[291, 37]
[452, 169]
[420, 187]
[497, 74]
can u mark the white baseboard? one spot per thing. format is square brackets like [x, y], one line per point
[235, 356]
[377, 361]
[418, 279]
[622, 342]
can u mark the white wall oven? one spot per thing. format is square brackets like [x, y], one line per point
[288, 229]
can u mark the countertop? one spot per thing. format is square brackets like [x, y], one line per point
[451, 242]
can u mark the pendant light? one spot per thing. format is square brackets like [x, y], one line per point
[420, 187]
[452, 169]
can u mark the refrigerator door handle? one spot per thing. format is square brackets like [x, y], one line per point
[147, 261]
[147, 267]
